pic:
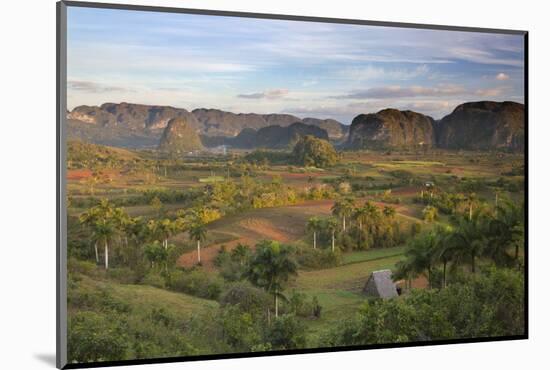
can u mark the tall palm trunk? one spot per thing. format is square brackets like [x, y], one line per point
[96, 253]
[199, 250]
[444, 274]
[106, 256]
[314, 240]
[276, 304]
[333, 241]
[344, 223]
[471, 209]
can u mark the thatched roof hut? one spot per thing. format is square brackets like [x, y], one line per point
[380, 285]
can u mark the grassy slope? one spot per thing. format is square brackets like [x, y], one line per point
[143, 298]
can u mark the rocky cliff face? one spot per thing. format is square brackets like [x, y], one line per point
[180, 136]
[276, 137]
[335, 130]
[130, 116]
[97, 123]
[220, 123]
[391, 128]
[483, 125]
[477, 125]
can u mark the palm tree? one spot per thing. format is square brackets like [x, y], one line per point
[332, 226]
[314, 225]
[241, 253]
[106, 222]
[404, 270]
[470, 238]
[445, 250]
[89, 219]
[420, 255]
[343, 208]
[270, 268]
[167, 228]
[104, 231]
[361, 215]
[197, 231]
[506, 230]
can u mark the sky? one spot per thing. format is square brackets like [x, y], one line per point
[308, 69]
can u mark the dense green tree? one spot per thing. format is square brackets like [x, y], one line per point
[311, 151]
[156, 254]
[271, 267]
[287, 332]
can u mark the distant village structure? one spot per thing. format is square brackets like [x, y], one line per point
[380, 285]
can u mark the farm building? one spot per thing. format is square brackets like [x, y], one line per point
[380, 285]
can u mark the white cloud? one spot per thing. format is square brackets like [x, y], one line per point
[502, 76]
[492, 92]
[370, 73]
[403, 92]
[268, 94]
[94, 87]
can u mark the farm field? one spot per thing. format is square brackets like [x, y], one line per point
[245, 207]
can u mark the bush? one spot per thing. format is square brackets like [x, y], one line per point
[249, 299]
[299, 306]
[308, 257]
[196, 282]
[286, 332]
[82, 267]
[94, 337]
[154, 278]
[240, 330]
[86, 298]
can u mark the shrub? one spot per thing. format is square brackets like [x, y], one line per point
[154, 278]
[318, 258]
[240, 330]
[196, 282]
[300, 306]
[94, 337]
[286, 332]
[249, 298]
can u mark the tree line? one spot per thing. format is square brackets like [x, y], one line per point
[495, 234]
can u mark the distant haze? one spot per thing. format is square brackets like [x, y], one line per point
[271, 66]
